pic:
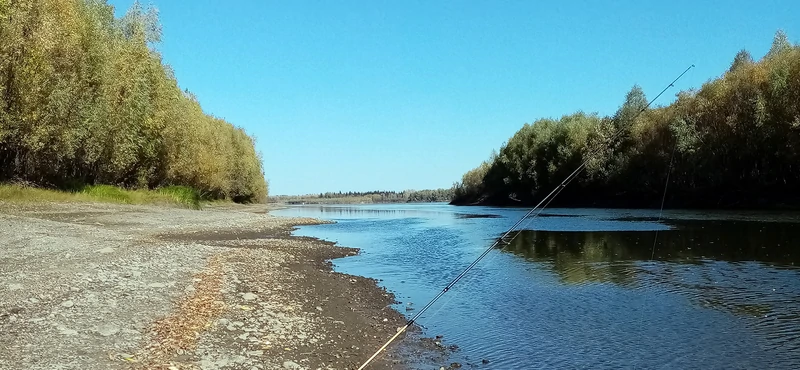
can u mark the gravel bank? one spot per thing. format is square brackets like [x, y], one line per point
[98, 286]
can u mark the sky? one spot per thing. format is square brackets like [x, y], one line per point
[397, 95]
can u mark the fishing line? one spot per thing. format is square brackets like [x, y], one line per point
[510, 231]
[504, 243]
[664, 197]
[471, 278]
[464, 284]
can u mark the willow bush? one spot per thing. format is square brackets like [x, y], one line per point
[735, 142]
[86, 99]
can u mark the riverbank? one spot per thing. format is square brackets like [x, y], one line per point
[121, 286]
[773, 200]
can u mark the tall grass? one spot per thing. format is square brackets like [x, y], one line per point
[172, 195]
[182, 195]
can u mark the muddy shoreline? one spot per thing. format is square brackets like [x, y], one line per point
[144, 287]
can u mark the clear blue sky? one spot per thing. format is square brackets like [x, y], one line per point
[369, 95]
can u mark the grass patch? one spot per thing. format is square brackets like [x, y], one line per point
[24, 193]
[182, 195]
[171, 195]
[111, 194]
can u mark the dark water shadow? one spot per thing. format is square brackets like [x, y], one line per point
[776, 244]
[744, 268]
[478, 215]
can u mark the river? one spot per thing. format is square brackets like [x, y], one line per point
[586, 288]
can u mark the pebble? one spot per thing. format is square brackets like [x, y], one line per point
[255, 353]
[68, 332]
[67, 304]
[156, 285]
[13, 287]
[249, 296]
[107, 330]
[291, 365]
[223, 362]
[127, 356]
[106, 250]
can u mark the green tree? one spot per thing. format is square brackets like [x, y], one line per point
[732, 143]
[85, 98]
[780, 44]
[741, 60]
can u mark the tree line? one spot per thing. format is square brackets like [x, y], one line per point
[86, 99]
[378, 196]
[733, 143]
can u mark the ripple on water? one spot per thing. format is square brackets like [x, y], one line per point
[582, 291]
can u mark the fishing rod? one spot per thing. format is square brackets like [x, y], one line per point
[510, 232]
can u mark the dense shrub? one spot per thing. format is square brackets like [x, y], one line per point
[86, 99]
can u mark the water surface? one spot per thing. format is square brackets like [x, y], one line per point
[586, 288]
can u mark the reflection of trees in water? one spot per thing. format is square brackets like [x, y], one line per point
[351, 211]
[748, 269]
[576, 257]
[735, 241]
[691, 242]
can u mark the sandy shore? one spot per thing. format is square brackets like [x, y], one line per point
[98, 286]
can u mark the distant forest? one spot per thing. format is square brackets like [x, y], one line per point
[407, 196]
[734, 143]
[85, 99]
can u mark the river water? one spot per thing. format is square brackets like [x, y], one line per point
[586, 288]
